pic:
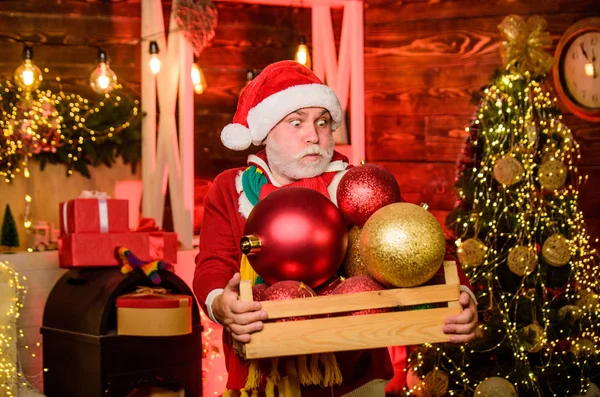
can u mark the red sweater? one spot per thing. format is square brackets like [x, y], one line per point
[218, 260]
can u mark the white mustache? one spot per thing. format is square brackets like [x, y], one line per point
[315, 149]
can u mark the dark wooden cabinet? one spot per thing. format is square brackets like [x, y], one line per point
[85, 357]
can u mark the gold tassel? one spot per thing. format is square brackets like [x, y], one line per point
[243, 393]
[225, 393]
[303, 372]
[255, 393]
[315, 371]
[332, 374]
[253, 380]
[272, 378]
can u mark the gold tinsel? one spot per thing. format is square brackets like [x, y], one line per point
[508, 170]
[555, 250]
[522, 260]
[471, 252]
[523, 49]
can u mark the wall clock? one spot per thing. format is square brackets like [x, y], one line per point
[577, 69]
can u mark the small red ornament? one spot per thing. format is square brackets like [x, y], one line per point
[297, 234]
[258, 291]
[356, 284]
[288, 289]
[365, 189]
[329, 286]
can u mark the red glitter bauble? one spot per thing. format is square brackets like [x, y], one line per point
[329, 286]
[288, 289]
[295, 233]
[365, 189]
[258, 291]
[356, 284]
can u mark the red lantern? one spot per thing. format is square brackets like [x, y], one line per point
[365, 189]
[297, 234]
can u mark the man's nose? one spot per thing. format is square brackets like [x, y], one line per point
[311, 134]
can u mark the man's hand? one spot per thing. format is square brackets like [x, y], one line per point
[239, 318]
[462, 326]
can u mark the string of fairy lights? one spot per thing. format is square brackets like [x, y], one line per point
[532, 223]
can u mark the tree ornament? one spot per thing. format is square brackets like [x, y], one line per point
[295, 233]
[555, 250]
[330, 286]
[508, 170]
[552, 174]
[583, 347]
[495, 387]
[414, 382]
[288, 289]
[197, 19]
[364, 190]
[471, 252]
[435, 383]
[523, 48]
[531, 132]
[356, 284]
[402, 245]
[569, 311]
[353, 264]
[522, 260]
[533, 337]
[587, 300]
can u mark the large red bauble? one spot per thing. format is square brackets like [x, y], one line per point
[295, 233]
[365, 189]
[356, 284]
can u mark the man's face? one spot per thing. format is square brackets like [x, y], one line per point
[301, 144]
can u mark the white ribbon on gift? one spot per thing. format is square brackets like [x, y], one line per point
[102, 209]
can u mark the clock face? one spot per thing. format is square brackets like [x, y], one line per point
[582, 69]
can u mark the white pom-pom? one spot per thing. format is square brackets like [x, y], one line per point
[236, 137]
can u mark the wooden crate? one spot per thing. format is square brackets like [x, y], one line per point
[332, 334]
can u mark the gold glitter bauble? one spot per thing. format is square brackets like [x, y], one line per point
[555, 250]
[353, 264]
[573, 311]
[522, 260]
[402, 245]
[587, 300]
[495, 387]
[508, 170]
[435, 383]
[471, 252]
[583, 347]
[552, 174]
[532, 337]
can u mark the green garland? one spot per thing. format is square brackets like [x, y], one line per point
[56, 127]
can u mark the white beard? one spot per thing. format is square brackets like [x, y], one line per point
[292, 167]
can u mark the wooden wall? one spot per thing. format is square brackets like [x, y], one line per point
[423, 60]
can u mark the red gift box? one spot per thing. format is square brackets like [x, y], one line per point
[94, 215]
[98, 249]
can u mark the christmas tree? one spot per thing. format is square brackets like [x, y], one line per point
[10, 235]
[521, 239]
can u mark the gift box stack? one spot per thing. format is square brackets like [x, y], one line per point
[94, 225]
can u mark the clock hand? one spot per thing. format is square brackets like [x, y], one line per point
[583, 51]
[594, 63]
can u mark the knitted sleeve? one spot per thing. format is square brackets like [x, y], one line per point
[217, 260]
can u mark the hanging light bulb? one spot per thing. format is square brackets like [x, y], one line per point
[154, 59]
[103, 79]
[198, 79]
[302, 54]
[28, 76]
[249, 77]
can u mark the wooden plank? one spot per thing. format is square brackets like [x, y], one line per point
[451, 277]
[349, 333]
[129, 9]
[387, 11]
[430, 183]
[396, 297]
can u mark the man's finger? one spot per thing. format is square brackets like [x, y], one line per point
[244, 338]
[466, 316]
[246, 329]
[462, 338]
[249, 317]
[239, 307]
[234, 283]
[459, 329]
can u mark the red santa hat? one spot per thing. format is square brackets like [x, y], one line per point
[280, 89]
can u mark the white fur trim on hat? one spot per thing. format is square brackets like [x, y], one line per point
[236, 137]
[265, 115]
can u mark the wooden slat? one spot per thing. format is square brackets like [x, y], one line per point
[129, 9]
[396, 297]
[451, 277]
[385, 11]
[349, 333]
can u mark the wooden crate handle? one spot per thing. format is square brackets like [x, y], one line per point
[451, 277]
[245, 296]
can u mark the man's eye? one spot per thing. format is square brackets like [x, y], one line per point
[322, 122]
[295, 123]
